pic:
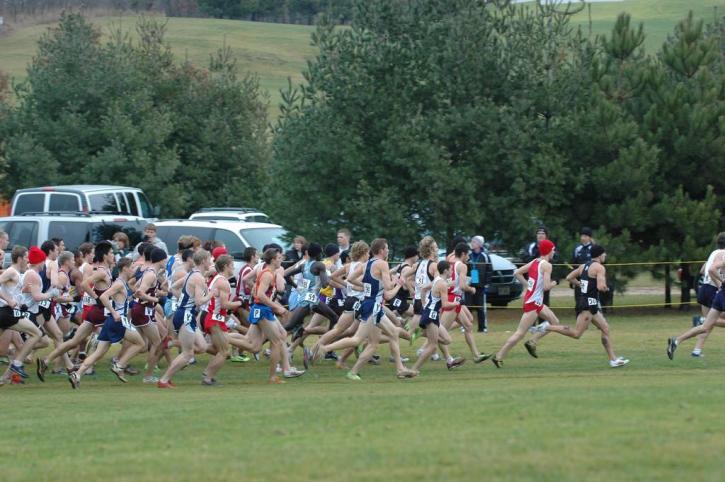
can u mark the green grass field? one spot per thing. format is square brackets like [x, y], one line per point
[276, 52]
[566, 416]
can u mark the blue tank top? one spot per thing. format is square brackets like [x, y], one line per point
[187, 302]
[44, 279]
[372, 287]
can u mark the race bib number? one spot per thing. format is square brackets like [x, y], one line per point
[311, 297]
[188, 317]
[433, 315]
[18, 314]
[88, 300]
[397, 303]
[44, 304]
[420, 280]
[456, 299]
[592, 301]
[174, 305]
[584, 286]
[340, 302]
[218, 317]
[305, 284]
[148, 311]
[257, 313]
[377, 308]
[356, 306]
[58, 312]
[367, 289]
[531, 284]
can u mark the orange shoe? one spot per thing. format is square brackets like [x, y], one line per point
[168, 384]
[275, 380]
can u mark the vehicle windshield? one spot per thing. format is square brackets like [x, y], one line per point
[146, 210]
[259, 237]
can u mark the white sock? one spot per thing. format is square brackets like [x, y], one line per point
[17, 363]
[697, 351]
[449, 359]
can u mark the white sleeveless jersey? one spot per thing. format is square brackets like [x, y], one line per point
[456, 288]
[707, 279]
[351, 291]
[14, 291]
[421, 277]
[535, 290]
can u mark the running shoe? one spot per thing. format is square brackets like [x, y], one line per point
[435, 357]
[82, 356]
[278, 369]
[256, 356]
[375, 360]
[119, 372]
[331, 356]
[69, 335]
[239, 359]
[415, 335]
[456, 362]
[419, 352]
[60, 371]
[19, 370]
[353, 376]
[293, 373]
[74, 381]
[298, 333]
[276, 380]
[531, 348]
[210, 382]
[619, 362]
[671, 347]
[168, 384]
[697, 354]
[151, 379]
[129, 370]
[407, 373]
[16, 379]
[403, 359]
[41, 368]
[306, 356]
[541, 328]
[481, 358]
[497, 362]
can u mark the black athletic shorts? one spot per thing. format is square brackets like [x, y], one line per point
[400, 305]
[337, 305]
[587, 303]
[9, 317]
[353, 304]
[706, 294]
[417, 307]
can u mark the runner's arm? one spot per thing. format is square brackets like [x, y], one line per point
[106, 300]
[573, 277]
[548, 283]
[519, 273]
[715, 269]
[602, 279]
[146, 281]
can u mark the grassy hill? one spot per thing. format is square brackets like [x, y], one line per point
[276, 52]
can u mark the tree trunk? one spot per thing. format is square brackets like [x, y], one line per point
[668, 287]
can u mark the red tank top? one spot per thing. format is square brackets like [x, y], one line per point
[271, 290]
[243, 289]
[212, 302]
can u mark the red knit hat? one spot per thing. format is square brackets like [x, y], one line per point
[546, 247]
[36, 255]
[218, 251]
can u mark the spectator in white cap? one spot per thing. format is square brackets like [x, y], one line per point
[480, 269]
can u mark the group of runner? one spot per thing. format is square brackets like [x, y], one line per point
[351, 299]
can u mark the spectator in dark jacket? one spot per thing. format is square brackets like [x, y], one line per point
[480, 270]
[583, 251]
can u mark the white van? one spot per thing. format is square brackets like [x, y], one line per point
[83, 198]
[236, 235]
[73, 228]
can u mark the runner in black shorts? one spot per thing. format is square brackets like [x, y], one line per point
[706, 294]
[590, 278]
[717, 275]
